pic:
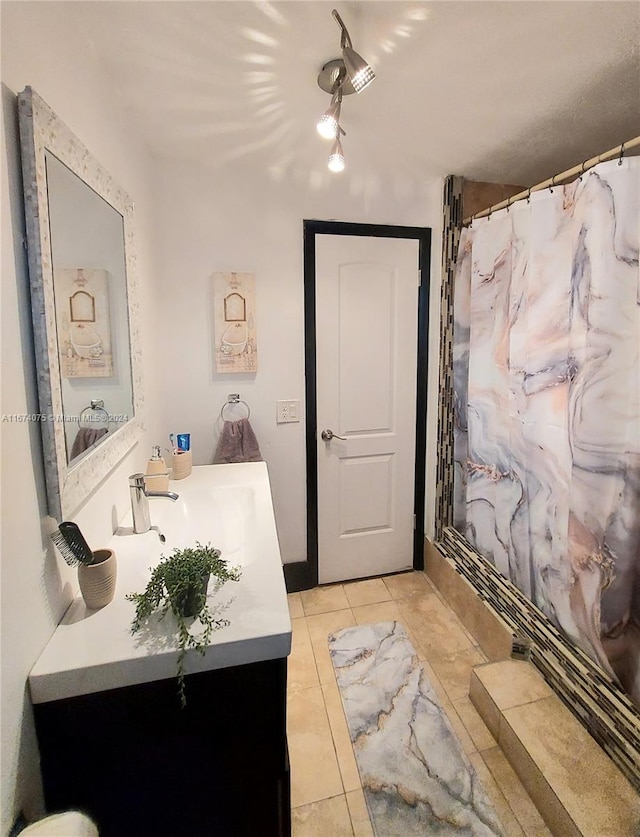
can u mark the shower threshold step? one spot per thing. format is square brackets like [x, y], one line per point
[573, 783]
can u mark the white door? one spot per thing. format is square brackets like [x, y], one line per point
[366, 358]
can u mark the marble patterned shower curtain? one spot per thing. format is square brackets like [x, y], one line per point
[547, 406]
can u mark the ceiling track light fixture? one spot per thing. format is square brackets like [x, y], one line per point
[341, 77]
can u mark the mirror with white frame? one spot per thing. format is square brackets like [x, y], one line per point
[84, 304]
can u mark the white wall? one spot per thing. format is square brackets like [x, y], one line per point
[40, 49]
[238, 218]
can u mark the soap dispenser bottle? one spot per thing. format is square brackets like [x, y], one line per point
[157, 476]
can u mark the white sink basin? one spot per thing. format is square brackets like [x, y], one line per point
[228, 506]
[226, 517]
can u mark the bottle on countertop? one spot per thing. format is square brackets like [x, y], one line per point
[157, 475]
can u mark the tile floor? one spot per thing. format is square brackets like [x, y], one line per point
[326, 794]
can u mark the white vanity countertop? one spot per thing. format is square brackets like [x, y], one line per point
[229, 506]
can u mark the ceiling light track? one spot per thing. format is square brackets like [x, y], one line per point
[341, 77]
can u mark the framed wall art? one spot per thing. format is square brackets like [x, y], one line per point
[236, 348]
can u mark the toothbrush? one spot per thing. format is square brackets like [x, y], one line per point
[171, 438]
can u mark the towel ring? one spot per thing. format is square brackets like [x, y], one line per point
[234, 399]
[96, 406]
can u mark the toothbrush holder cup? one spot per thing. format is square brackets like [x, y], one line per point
[181, 464]
[98, 580]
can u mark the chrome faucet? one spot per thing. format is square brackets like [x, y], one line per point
[140, 502]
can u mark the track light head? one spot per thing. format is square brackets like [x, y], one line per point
[328, 124]
[336, 158]
[359, 71]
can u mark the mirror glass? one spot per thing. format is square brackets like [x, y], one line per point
[81, 252]
[92, 320]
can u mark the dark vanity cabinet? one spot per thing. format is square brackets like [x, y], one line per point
[139, 764]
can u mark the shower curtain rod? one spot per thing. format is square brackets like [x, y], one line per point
[557, 178]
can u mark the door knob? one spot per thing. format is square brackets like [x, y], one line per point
[328, 435]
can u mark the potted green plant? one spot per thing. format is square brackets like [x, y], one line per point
[179, 584]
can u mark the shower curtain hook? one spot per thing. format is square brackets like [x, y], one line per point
[553, 183]
[621, 154]
[582, 172]
[508, 203]
[529, 195]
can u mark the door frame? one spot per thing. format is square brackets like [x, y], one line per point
[303, 575]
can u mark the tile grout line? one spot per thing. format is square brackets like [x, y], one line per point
[315, 665]
[333, 743]
[537, 772]
[333, 740]
[506, 796]
[502, 796]
[313, 653]
[349, 738]
[328, 586]
[353, 830]
[479, 750]
[327, 799]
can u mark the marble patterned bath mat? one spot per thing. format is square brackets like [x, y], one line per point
[415, 775]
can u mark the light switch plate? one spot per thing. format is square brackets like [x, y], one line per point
[288, 411]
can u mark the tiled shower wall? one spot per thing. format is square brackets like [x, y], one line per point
[451, 228]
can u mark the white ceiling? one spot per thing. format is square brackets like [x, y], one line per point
[501, 91]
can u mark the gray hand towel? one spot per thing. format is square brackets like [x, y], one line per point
[250, 447]
[85, 438]
[237, 443]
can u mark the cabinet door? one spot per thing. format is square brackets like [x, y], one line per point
[139, 764]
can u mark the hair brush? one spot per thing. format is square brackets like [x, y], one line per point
[72, 546]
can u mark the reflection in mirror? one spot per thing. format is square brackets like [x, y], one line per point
[81, 253]
[92, 320]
